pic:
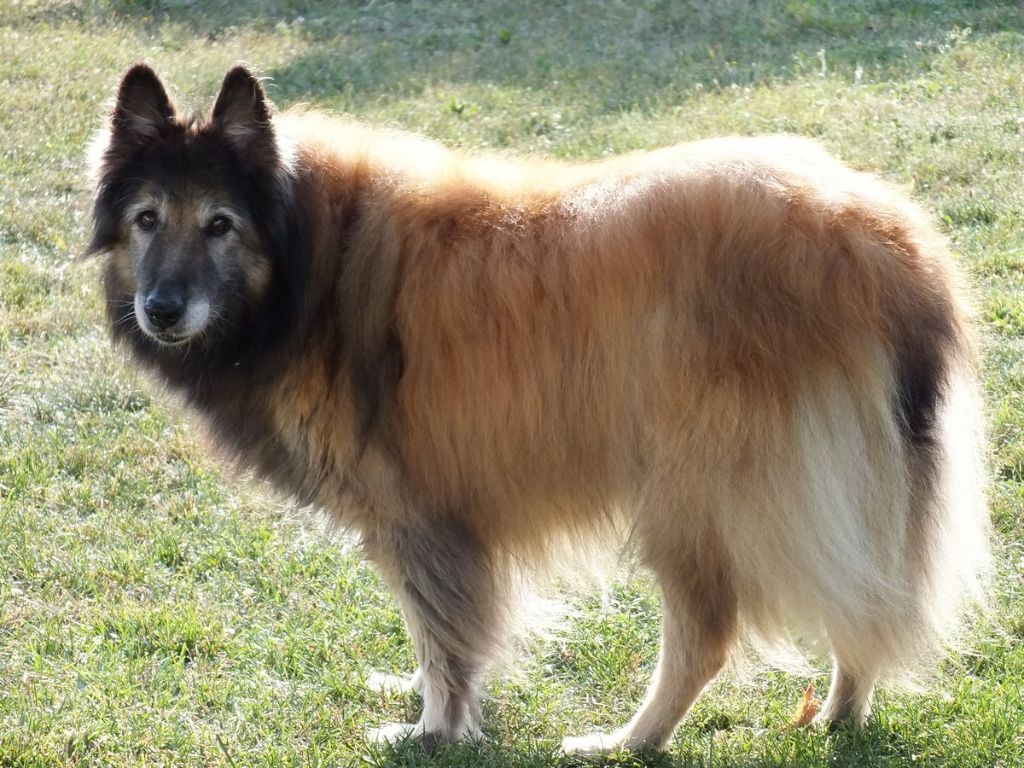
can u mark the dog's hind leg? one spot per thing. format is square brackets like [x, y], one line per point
[452, 593]
[853, 679]
[699, 627]
[849, 697]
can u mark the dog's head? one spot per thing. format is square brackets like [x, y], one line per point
[196, 217]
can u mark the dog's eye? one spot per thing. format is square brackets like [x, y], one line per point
[219, 226]
[146, 220]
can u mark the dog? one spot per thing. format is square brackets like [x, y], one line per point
[753, 363]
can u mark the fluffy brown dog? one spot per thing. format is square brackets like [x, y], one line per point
[749, 357]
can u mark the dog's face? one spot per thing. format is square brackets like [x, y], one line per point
[191, 251]
[186, 212]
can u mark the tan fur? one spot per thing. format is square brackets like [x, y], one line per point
[558, 323]
[648, 336]
[704, 347]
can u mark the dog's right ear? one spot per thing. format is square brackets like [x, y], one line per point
[143, 110]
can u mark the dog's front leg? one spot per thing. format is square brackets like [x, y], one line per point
[452, 593]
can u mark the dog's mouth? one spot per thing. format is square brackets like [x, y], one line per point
[172, 339]
[167, 337]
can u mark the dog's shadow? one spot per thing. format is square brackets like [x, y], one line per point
[488, 753]
[845, 747]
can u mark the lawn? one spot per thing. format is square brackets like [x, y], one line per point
[155, 610]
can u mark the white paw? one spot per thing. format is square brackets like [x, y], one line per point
[592, 744]
[395, 733]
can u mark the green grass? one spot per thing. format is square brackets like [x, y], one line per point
[154, 611]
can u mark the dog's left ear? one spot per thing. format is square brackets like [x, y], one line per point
[241, 113]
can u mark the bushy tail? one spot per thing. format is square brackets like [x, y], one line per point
[890, 548]
[937, 574]
[948, 535]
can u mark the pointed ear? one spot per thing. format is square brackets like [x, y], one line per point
[241, 113]
[143, 110]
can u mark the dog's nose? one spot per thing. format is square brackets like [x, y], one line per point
[164, 308]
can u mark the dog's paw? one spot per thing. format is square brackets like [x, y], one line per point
[593, 744]
[833, 723]
[602, 744]
[396, 733]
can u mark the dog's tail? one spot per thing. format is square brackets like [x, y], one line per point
[876, 512]
[931, 545]
[938, 408]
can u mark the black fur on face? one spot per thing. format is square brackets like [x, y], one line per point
[256, 286]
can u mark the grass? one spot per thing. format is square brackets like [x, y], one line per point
[154, 611]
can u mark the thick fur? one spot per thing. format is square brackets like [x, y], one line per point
[753, 360]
